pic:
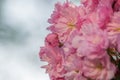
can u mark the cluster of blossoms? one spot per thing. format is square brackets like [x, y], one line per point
[84, 43]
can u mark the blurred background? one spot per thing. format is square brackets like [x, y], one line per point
[22, 31]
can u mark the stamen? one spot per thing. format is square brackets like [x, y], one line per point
[70, 25]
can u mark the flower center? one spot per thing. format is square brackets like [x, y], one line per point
[117, 29]
[99, 66]
[77, 71]
[71, 25]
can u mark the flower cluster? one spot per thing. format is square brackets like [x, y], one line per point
[84, 43]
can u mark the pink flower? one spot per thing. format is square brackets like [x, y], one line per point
[95, 35]
[52, 40]
[90, 5]
[55, 58]
[83, 40]
[99, 69]
[91, 41]
[64, 19]
[113, 28]
[59, 78]
[98, 18]
[95, 9]
[72, 64]
[73, 67]
[74, 76]
[118, 43]
[116, 5]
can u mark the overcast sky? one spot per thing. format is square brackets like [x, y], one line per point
[24, 25]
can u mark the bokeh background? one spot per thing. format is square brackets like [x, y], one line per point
[22, 31]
